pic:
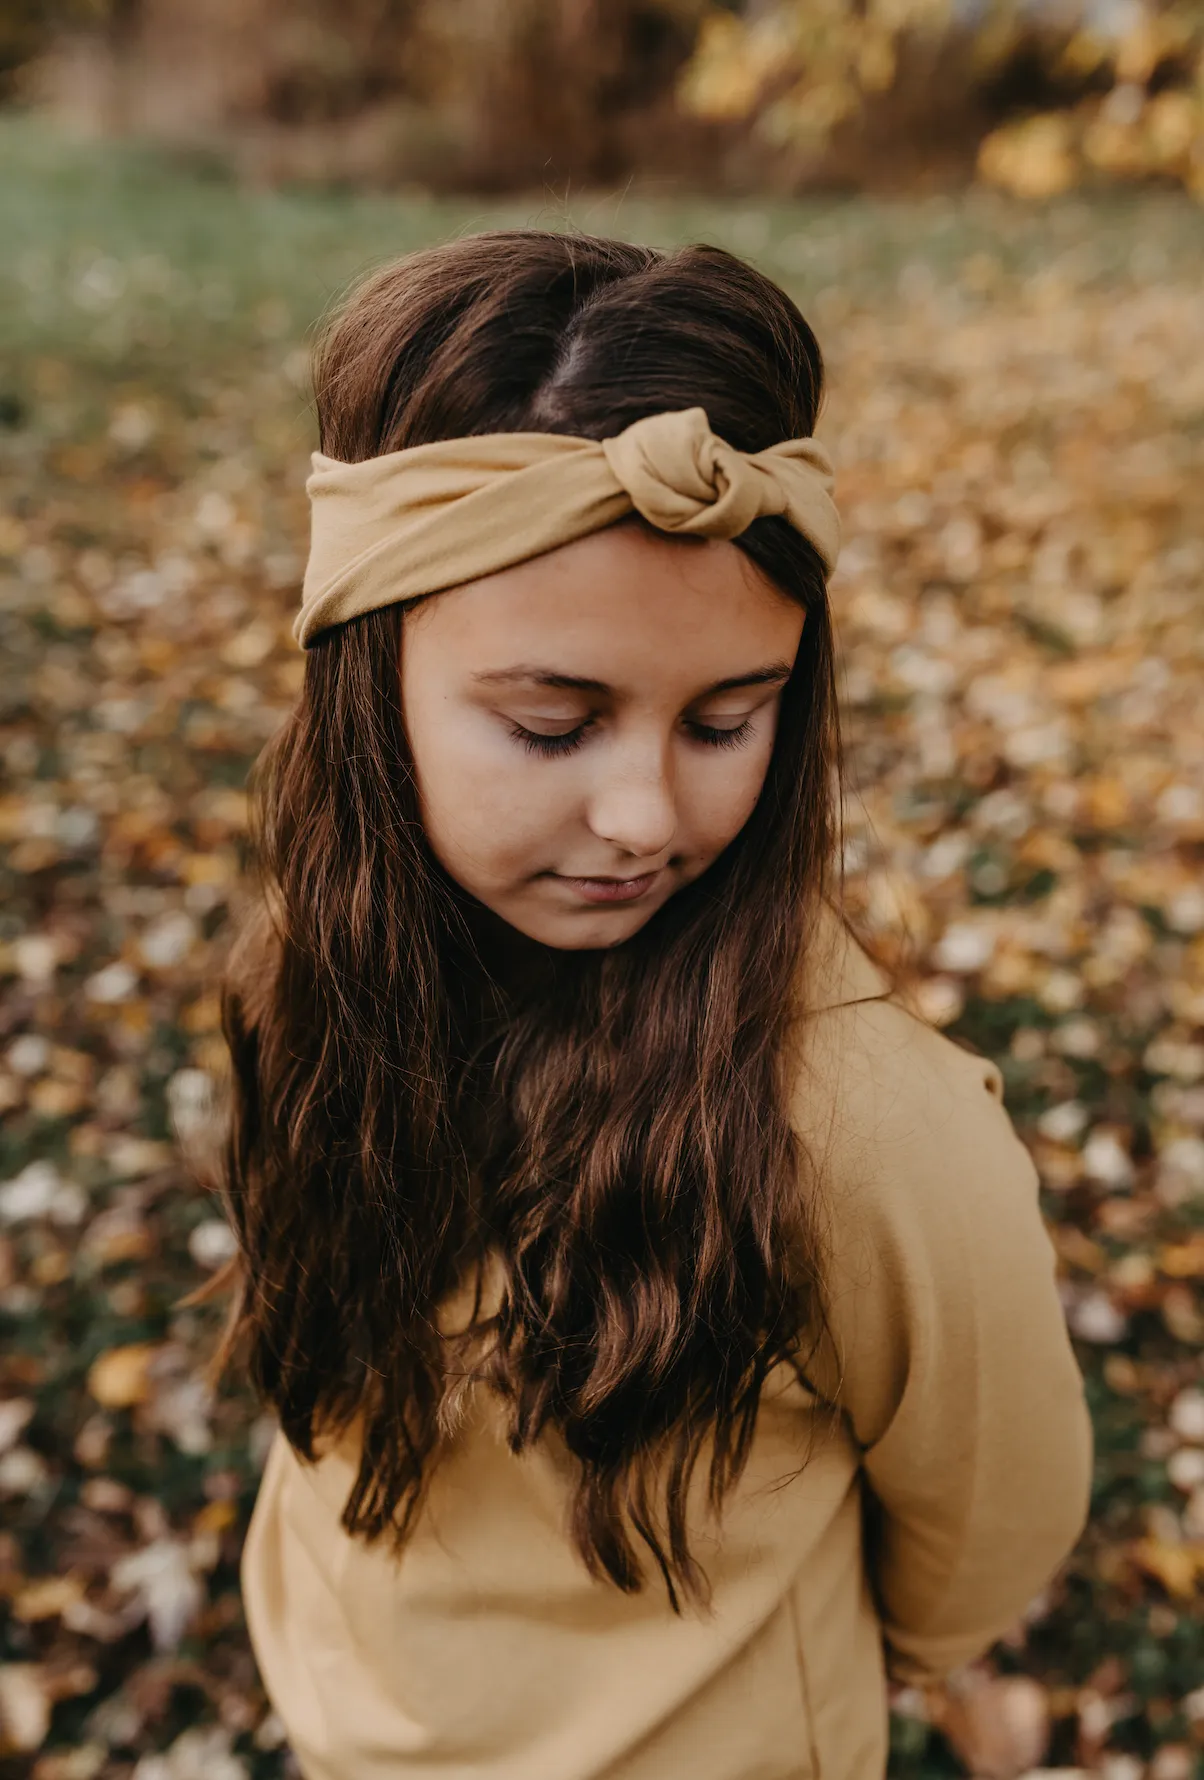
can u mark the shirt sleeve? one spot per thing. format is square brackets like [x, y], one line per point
[948, 1348]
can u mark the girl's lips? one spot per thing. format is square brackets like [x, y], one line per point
[611, 889]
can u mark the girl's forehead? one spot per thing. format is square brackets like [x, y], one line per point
[617, 603]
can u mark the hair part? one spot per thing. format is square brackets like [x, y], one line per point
[620, 1140]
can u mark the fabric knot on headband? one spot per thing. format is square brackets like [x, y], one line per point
[419, 521]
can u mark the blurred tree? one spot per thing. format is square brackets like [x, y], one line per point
[1048, 93]
[558, 88]
[496, 94]
[22, 35]
[459, 92]
[29, 27]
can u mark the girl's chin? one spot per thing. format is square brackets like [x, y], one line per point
[588, 929]
[549, 911]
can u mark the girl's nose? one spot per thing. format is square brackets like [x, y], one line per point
[633, 805]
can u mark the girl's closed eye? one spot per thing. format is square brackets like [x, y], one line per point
[564, 741]
[721, 736]
[567, 741]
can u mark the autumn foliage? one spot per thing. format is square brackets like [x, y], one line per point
[1036, 98]
[1017, 418]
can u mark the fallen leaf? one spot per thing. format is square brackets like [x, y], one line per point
[1178, 1567]
[167, 1588]
[120, 1378]
[47, 1597]
[15, 1415]
[24, 1706]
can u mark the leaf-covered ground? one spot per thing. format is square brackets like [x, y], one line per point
[1017, 412]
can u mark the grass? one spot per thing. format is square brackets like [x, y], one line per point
[124, 257]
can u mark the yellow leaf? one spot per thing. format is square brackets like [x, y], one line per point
[207, 868]
[56, 1100]
[1183, 1260]
[1179, 1568]
[1174, 123]
[51, 1267]
[722, 81]
[1116, 146]
[876, 64]
[202, 1015]
[13, 817]
[120, 1378]
[47, 1597]
[1182, 1315]
[215, 1517]
[210, 1053]
[1030, 159]
[1083, 55]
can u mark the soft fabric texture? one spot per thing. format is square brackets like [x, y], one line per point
[905, 1530]
[417, 521]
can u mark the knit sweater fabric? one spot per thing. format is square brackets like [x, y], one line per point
[898, 1534]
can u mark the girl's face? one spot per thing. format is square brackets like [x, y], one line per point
[591, 728]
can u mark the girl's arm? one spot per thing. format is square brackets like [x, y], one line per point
[952, 1363]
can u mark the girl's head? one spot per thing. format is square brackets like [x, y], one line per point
[626, 750]
[592, 727]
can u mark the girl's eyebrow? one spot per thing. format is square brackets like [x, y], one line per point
[775, 673]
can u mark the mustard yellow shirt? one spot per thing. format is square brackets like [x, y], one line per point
[924, 1518]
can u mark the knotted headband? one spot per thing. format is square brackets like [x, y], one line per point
[427, 518]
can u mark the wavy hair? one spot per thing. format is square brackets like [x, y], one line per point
[617, 1136]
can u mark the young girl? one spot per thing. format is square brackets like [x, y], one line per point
[659, 1318]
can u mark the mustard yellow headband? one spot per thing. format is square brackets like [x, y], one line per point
[427, 518]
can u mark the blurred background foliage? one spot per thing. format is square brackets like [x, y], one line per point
[1035, 96]
[1045, 95]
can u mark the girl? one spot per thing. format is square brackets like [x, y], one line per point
[659, 1318]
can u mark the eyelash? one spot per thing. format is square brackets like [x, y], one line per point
[553, 745]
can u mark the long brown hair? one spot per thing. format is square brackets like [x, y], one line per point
[618, 1137]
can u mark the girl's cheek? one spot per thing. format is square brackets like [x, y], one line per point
[723, 798]
[502, 815]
